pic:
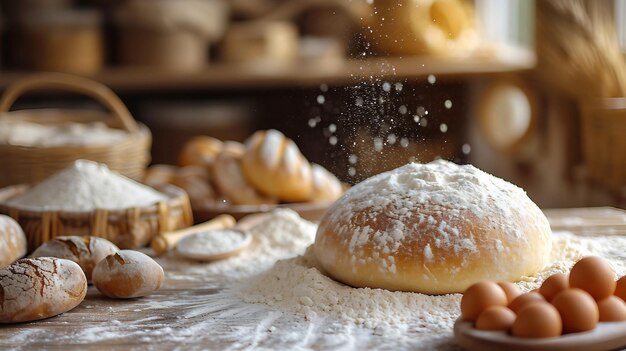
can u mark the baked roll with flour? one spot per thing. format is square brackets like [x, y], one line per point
[274, 165]
[87, 251]
[12, 241]
[38, 288]
[433, 228]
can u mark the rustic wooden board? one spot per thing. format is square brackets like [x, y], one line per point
[179, 307]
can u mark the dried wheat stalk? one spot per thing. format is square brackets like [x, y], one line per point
[577, 47]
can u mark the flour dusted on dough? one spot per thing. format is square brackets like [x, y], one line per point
[439, 198]
[85, 186]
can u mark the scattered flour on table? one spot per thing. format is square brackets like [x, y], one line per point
[253, 302]
[282, 235]
[212, 242]
[297, 285]
[85, 186]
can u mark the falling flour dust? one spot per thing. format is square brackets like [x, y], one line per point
[275, 297]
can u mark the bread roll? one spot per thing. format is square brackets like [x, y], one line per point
[196, 181]
[326, 187]
[432, 228]
[235, 148]
[159, 175]
[12, 241]
[440, 27]
[232, 184]
[127, 274]
[200, 151]
[38, 288]
[87, 251]
[274, 165]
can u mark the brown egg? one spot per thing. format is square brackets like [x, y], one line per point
[511, 290]
[620, 288]
[594, 275]
[554, 285]
[480, 296]
[579, 311]
[524, 299]
[496, 318]
[537, 320]
[612, 309]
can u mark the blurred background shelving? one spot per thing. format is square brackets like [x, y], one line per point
[361, 85]
[345, 72]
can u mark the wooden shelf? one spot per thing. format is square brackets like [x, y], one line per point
[228, 76]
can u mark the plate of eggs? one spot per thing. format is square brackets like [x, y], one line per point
[582, 310]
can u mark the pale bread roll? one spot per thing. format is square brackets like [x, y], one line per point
[200, 151]
[159, 175]
[326, 187]
[38, 288]
[12, 241]
[127, 274]
[274, 165]
[87, 251]
[440, 27]
[434, 228]
[196, 181]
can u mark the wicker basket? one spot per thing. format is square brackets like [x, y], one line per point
[128, 228]
[604, 141]
[29, 164]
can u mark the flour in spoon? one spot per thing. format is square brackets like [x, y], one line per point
[212, 242]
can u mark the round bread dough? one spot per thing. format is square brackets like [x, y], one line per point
[433, 228]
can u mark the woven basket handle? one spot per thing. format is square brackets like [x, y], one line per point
[57, 81]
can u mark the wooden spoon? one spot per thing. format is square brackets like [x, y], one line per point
[166, 241]
[193, 248]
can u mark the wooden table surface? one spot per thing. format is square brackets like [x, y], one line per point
[178, 316]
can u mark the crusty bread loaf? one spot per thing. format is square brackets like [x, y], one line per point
[12, 241]
[274, 165]
[440, 27]
[159, 175]
[38, 288]
[196, 181]
[230, 181]
[200, 151]
[127, 274]
[326, 187]
[435, 228]
[87, 251]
